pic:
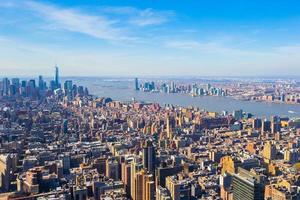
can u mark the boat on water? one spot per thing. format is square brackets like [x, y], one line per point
[290, 111]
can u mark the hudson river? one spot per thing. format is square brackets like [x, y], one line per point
[122, 89]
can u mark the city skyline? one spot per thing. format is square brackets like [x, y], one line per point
[149, 100]
[131, 38]
[62, 142]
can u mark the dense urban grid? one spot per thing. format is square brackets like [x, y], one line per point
[60, 142]
[280, 91]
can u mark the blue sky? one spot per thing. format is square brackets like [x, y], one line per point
[148, 37]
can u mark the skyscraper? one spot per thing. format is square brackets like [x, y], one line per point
[112, 169]
[41, 83]
[31, 88]
[16, 83]
[68, 85]
[275, 124]
[269, 151]
[169, 126]
[5, 86]
[266, 126]
[134, 169]
[136, 82]
[248, 185]
[256, 123]
[181, 188]
[56, 79]
[149, 156]
[144, 186]
[23, 88]
[126, 176]
[238, 114]
[8, 165]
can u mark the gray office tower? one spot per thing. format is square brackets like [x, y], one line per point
[248, 185]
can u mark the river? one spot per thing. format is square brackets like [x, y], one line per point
[122, 89]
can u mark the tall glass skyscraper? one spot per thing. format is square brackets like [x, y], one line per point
[5, 86]
[41, 83]
[56, 79]
[136, 82]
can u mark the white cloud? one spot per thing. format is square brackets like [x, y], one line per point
[204, 47]
[118, 10]
[216, 47]
[140, 17]
[76, 21]
[185, 45]
[113, 24]
[150, 17]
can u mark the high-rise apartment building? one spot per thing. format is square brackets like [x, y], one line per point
[248, 185]
[179, 188]
[126, 176]
[269, 151]
[112, 169]
[8, 165]
[275, 124]
[256, 123]
[291, 155]
[136, 166]
[144, 186]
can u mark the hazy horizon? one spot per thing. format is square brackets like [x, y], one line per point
[162, 77]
